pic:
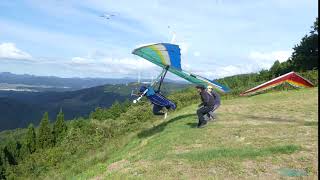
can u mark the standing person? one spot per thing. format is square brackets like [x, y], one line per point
[205, 107]
[216, 102]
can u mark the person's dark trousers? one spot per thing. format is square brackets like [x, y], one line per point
[156, 110]
[201, 112]
[211, 113]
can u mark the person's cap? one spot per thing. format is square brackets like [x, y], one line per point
[200, 87]
[209, 87]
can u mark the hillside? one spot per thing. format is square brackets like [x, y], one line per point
[261, 136]
[269, 135]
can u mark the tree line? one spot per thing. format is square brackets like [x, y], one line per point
[46, 137]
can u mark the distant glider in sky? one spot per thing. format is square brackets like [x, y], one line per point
[107, 16]
[292, 78]
[173, 33]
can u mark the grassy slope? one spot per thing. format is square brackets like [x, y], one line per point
[252, 137]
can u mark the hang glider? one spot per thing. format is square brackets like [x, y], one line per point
[168, 57]
[291, 78]
[107, 16]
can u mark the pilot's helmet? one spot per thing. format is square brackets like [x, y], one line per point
[142, 89]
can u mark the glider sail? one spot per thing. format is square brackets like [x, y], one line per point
[168, 56]
[292, 78]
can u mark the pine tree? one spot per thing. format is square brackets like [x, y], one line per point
[10, 153]
[125, 105]
[45, 135]
[275, 68]
[59, 127]
[115, 110]
[31, 139]
[306, 53]
[2, 165]
[24, 152]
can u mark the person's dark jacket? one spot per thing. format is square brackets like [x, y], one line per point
[206, 98]
[216, 97]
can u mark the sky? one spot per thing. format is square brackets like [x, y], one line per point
[218, 38]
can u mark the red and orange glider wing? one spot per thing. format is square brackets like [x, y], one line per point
[292, 78]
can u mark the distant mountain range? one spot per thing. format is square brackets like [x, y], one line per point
[9, 81]
[26, 82]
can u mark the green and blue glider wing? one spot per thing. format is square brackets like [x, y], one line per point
[168, 56]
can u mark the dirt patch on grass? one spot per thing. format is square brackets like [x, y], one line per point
[185, 149]
[181, 149]
[116, 166]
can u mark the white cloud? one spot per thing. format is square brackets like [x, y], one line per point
[266, 59]
[80, 61]
[116, 67]
[145, 44]
[229, 70]
[10, 51]
[214, 71]
[196, 54]
[184, 47]
[270, 56]
[128, 63]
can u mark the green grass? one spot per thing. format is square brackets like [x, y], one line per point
[252, 137]
[245, 152]
[311, 123]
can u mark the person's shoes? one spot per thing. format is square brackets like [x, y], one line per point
[206, 117]
[165, 115]
[212, 117]
[198, 124]
[201, 125]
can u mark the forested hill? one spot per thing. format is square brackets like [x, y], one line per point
[19, 109]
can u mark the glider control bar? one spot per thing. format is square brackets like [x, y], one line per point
[162, 77]
[137, 100]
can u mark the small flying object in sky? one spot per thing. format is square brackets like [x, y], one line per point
[173, 38]
[107, 16]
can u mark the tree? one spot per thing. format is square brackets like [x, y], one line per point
[2, 165]
[264, 75]
[305, 54]
[11, 153]
[45, 135]
[125, 105]
[115, 109]
[315, 27]
[59, 127]
[275, 68]
[31, 139]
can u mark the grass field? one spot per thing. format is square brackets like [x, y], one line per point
[268, 136]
